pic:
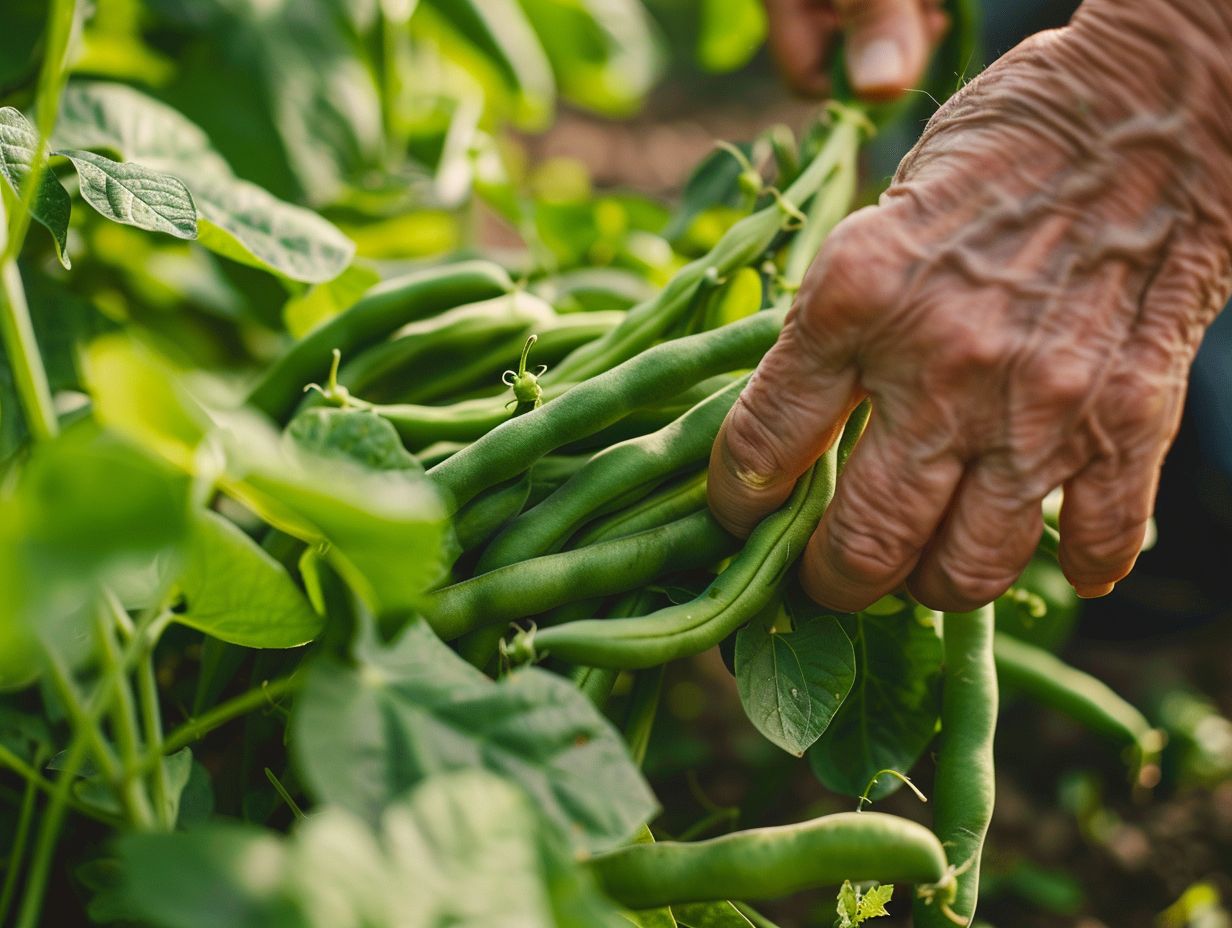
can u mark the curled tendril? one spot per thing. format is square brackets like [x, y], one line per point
[334, 392]
[525, 383]
[795, 217]
[944, 891]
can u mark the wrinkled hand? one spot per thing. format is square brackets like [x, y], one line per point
[888, 42]
[1023, 307]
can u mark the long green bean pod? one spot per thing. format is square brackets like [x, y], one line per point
[487, 513]
[381, 310]
[539, 584]
[610, 474]
[767, 863]
[963, 790]
[738, 594]
[739, 247]
[666, 504]
[505, 318]
[663, 370]
[1047, 679]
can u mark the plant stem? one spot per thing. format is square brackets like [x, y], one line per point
[18, 850]
[21, 349]
[147, 687]
[49, 833]
[123, 722]
[241, 705]
[52, 76]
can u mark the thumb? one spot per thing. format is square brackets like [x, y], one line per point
[887, 45]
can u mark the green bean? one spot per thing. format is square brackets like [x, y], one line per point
[1049, 680]
[487, 513]
[767, 863]
[503, 319]
[613, 472]
[739, 247]
[589, 406]
[670, 502]
[465, 421]
[737, 595]
[381, 310]
[853, 429]
[963, 788]
[543, 583]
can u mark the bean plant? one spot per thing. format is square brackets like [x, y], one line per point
[321, 617]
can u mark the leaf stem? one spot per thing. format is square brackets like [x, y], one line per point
[234, 708]
[21, 349]
[17, 850]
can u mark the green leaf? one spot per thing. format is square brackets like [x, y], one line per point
[364, 731]
[873, 902]
[710, 915]
[86, 509]
[848, 905]
[234, 591]
[465, 850]
[51, 206]
[792, 683]
[730, 34]
[243, 222]
[353, 434]
[381, 529]
[134, 195]
[891, 713]
[605, 53]
[236, 219]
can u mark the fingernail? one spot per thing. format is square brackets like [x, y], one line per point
[877, 65]
[1095, 591]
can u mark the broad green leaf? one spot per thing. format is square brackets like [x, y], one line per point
[382, 529]
[137, 392]
[51, 205]
[731, 33]
[366, 730]
[236, 219]
[710, 915]
[891, 713]
[234, 591]
[605, 53]
[86, 509]
[352, 434]
[465, 850]
[792, 682]
[500, 32]
[135, 195]
[243, 222]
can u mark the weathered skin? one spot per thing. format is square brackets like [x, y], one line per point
[1023, 306]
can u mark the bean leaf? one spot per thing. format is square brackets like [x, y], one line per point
[235, 218]
[710, 915]
[792, 682]
[51, 205]
[366, 730]
[465, 850]
[134, 195]
[236, 592]
[891, 714]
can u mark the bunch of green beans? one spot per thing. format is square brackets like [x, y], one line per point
[579, 510]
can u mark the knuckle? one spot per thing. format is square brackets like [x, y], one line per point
[854, 272]
[974, 582]
[752, 443]
[860, 552]
[1059, 381]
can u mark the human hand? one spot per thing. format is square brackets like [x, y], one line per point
[888, 42]
[1023, 307]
